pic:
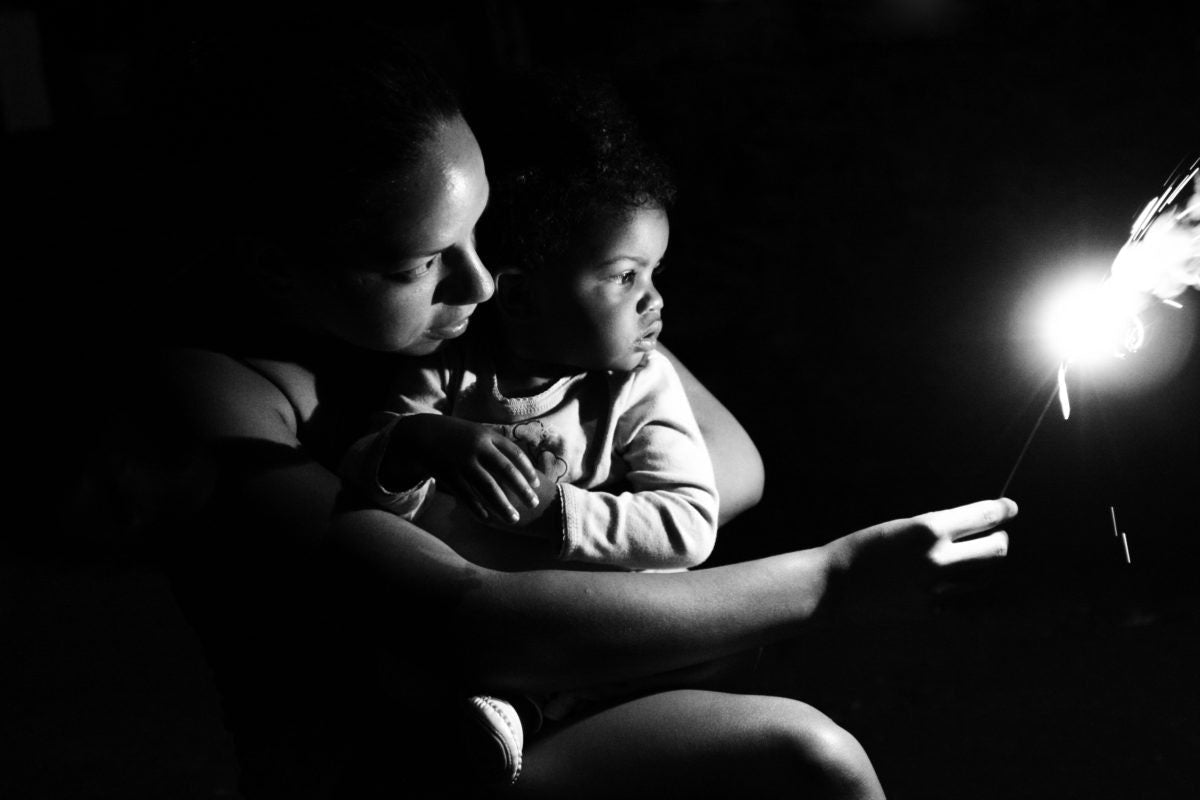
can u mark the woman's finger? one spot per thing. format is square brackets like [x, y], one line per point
[955, 523]
[502, 468]
[491, 495]
[467, 492]
[973, 551]
[517, 456]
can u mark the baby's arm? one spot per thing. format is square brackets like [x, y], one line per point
[415, 444]
[668, 518]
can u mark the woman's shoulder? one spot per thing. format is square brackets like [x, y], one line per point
[228, 396]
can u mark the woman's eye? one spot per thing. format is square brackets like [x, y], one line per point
[413, 273]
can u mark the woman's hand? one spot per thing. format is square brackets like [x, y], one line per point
[937, 545]
[476, 461]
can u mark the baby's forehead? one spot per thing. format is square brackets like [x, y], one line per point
[601, 228]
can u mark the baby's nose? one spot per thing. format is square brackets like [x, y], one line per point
[652, 300]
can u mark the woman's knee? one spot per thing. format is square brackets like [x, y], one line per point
[824, 754]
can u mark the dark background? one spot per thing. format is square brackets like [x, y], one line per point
[874, 198]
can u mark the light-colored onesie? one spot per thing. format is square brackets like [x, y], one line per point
[635, 481]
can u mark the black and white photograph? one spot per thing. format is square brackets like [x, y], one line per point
[666, 399]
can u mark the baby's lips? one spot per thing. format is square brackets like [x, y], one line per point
[651, 331]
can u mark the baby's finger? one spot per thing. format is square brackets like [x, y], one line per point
[955, 523]
[947, 553]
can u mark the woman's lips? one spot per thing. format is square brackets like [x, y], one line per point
[451, 330]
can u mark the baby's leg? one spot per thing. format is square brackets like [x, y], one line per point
[694, 743]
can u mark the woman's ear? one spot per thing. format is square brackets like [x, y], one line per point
[270, 267]
[514, 293]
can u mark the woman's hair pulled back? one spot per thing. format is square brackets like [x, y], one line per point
[304, 126]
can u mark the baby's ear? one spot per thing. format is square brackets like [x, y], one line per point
[514, 293]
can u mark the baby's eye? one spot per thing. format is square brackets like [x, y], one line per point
[627, 277]
[659, 267]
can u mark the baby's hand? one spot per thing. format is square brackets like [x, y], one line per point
[480, 463]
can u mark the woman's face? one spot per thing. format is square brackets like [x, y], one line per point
[416, 281]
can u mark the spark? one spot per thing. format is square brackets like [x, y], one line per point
[1170, 197]
[1125, 545]
[1063, 399]
[1113, 513]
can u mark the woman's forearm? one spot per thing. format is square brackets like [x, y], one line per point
[539, 630]
[545, 629]
[583, 628]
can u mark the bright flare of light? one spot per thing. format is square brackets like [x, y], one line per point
[1086, 321]
[1160, 260]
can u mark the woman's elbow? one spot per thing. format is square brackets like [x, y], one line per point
[741, 485]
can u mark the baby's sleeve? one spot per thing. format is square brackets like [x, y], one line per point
[668, 516]
[419, 389]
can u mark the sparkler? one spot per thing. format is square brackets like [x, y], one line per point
[1158, 262]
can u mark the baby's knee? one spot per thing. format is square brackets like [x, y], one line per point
[827, 756]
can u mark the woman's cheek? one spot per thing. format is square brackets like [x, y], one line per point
[405, 315]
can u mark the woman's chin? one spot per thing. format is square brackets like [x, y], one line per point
[421, 347]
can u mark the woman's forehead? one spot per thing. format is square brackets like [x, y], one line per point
[438, 200]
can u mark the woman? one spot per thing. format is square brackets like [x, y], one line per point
[359, 186]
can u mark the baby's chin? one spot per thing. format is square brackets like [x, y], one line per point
[632, 362]
[629, 361]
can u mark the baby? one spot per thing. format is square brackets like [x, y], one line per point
[555, 418]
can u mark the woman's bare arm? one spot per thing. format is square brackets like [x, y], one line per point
[542, 629]
[546, 629]
[738, 466]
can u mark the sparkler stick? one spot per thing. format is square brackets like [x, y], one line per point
[1029, 440]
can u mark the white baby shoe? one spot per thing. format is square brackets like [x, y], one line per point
[493, 737]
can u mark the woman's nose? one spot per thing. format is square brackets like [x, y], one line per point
[651, 301]
[469, 282]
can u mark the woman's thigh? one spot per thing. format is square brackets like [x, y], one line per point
[700, 744]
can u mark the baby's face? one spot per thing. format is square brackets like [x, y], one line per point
[602, 310]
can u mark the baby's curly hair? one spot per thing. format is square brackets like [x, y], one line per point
[560, 150]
